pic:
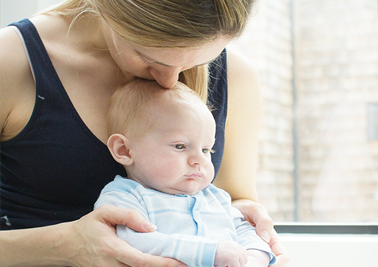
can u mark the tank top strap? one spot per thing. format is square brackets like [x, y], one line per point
[48, 83]
[218, 89]
[39, 60]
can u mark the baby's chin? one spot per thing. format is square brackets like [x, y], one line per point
[180, 192]
[184, 191]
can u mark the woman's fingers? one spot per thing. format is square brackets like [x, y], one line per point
[127, 254]
[96, 243]
[258, 216]
[279, 250]
[131, 218]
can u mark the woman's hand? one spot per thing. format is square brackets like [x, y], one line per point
[92, 240]
[89, 241]
[257, 215]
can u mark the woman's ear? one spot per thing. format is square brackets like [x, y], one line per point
[118, 146]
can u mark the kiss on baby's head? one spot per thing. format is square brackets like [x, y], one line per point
[130, 102]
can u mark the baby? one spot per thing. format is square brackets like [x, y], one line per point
[164, 139]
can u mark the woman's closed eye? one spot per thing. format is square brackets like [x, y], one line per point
[145, 60]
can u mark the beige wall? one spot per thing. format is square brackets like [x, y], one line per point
[337, 76]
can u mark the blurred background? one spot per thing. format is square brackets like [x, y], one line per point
[318, 68]
[318, 150]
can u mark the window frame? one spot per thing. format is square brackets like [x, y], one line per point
[327, 228]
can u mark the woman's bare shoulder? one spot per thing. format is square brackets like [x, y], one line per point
[16, 83]
[13, 61]
[244, 87]
[240, 69]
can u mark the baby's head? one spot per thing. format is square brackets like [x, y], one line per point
[163, 137]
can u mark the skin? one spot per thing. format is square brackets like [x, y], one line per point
[90, 67]
[174, 155]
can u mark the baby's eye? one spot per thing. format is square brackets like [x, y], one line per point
[207, 150]
[179, 146]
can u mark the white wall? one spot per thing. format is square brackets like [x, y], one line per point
[15, 10]
[315, 250]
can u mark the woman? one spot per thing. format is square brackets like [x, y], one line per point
[54, 99]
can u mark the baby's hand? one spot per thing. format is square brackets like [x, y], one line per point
[257, 258]
[230, 254]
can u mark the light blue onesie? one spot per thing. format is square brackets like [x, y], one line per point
[188, 226]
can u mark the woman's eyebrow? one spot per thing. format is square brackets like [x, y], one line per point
[166, 65]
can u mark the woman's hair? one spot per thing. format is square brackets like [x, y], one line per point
[128, 110]
[169, 23]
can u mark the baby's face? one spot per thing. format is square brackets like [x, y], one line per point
[174, 156]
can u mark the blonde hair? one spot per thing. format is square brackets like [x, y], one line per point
[128, 109]
[169, 23]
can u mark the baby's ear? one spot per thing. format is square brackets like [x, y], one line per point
[119, 148]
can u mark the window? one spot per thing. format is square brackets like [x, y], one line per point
[372, 122]
[14, 10]
[318, 68]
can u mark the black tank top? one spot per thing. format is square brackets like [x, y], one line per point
[54, 170]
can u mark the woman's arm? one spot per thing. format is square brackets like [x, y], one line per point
[238, 170]
[90, 241]
[239, 164]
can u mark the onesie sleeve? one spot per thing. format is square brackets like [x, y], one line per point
[191, 250]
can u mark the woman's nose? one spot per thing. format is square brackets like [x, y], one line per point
[167, 77]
